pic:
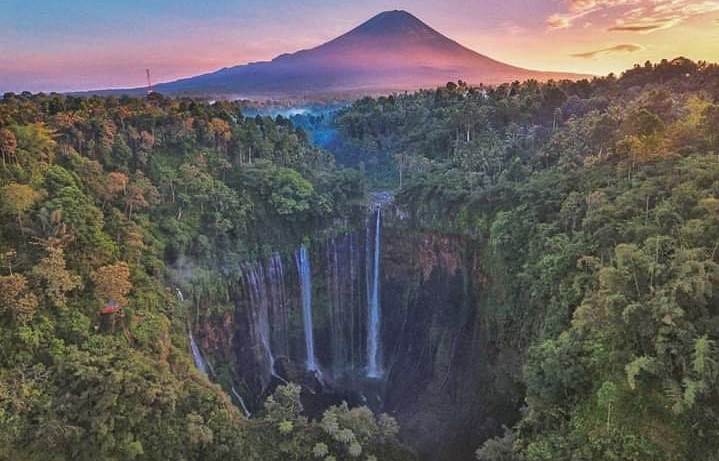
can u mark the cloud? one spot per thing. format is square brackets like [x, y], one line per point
[582, 5]
[618, 49]
[637, 16]
[564, 21]
[646, 27]
[512, 28]
[557, 21]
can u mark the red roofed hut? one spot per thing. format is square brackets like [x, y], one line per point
[112, 307]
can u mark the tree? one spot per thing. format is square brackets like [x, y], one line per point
[17, 199]
[113, 186]
[221, 132]
[498, 448]
[16, 298]
[112, 283]
[121, 153]
[8, 145]
[54, 278]
[35, 146]
[709, 124]
[291, 192]
[141, 194]
[646, 123]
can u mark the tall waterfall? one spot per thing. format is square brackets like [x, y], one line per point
[259, 312]
[197, 355]
[341, 278]
[279, 318]
[374, 368]
[335, 308]
[303, 267]
[323, 311]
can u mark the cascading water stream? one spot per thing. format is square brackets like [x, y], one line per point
[374, 369]
[241, 402]
[200, 361]
[279, 319]
[303, 268]
[196, 354]
[336, 308]
[258, 298]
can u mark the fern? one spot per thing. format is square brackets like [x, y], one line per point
[704, 362]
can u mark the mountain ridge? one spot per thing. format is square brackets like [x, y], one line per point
[392, 51]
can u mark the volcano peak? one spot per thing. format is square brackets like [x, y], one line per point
[394, 22]
[392, 51]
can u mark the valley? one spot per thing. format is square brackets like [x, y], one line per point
[522, 271]
[393, 328]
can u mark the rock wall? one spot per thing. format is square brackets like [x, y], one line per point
[441, 385]
[445, 380]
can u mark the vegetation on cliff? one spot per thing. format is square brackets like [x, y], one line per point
[597, 205]
[99, 198]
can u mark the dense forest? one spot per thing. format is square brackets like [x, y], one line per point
[596, 205]
[104, 201]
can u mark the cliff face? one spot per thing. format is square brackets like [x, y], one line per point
[444, 379]
[441, 384]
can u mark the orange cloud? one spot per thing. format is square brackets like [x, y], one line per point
[645, 27]
[618, 49]
[581, 5]
[557, 21]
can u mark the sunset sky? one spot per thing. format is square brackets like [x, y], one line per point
[82, 44]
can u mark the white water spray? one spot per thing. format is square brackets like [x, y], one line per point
[241, 402]
[303, 267]
[374, 369]
[196, 353]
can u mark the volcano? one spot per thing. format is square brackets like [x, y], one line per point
[393, 51]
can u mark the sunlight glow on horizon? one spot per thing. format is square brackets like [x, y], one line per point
[65, 45]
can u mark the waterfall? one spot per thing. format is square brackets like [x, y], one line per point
[338, 306]
[255, 277]
[354, 284]
[241, 401]
[197, 355]
[303, 267]
[374, 369]
[279, 317]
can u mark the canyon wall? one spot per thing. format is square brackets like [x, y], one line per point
[438, 370]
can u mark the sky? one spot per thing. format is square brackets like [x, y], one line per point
[64, 45]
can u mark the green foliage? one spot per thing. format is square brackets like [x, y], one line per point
[342, 434]
[291, 193]
[595, 204]
[105, 201]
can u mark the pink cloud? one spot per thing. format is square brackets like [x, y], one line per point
[564, 21]
[643, 16]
